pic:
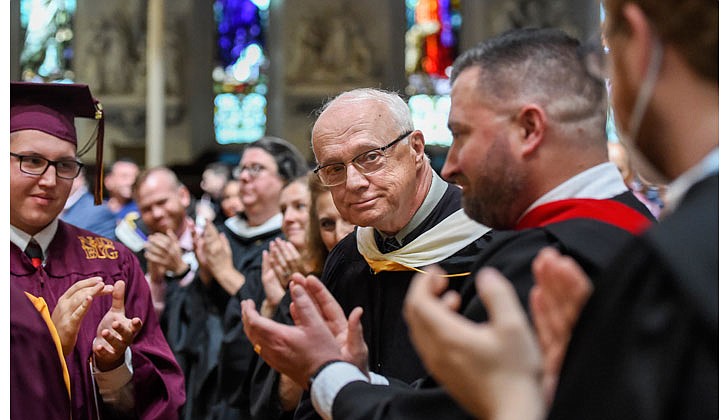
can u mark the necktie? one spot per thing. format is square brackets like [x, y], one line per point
[390, 244]
[35, 253]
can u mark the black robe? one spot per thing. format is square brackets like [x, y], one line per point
[590, 242]
[352, 282]
[647, 342]
[208, 342]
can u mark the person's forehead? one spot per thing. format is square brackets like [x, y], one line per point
[325, 202]
[124, 168]
[295, 189]
[159, 182]
[35, 141]
[469, 98]
[362, 114]
[345, 141]
[257, 155]
[466, 84]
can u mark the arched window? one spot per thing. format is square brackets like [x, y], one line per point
[431, 45]
[240, 76]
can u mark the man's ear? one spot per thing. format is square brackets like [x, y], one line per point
[108, 181]
[417, 142]
[184, 196]
[531, 120]
[637, 43]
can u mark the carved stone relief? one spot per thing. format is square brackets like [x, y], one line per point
[329, 48]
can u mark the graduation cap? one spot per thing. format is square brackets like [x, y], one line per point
[52, 108]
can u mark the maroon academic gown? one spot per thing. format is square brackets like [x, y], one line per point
[75, 254]
[37, 388]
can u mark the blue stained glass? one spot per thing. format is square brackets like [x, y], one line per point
[240, 77]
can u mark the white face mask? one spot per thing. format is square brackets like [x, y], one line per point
[645, 94]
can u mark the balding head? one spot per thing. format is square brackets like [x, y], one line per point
[162, 200]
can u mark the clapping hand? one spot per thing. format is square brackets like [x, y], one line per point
[72, 307]
[321, 332]
[115, 332]
[280, 261]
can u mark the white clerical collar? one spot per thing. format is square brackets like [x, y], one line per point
[44, 237]
[598, 182]
[676, 190]
[240, 226]
[434, 194]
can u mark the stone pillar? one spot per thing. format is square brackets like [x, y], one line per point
[155, 84]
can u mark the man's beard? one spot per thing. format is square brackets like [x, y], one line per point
[493, 196]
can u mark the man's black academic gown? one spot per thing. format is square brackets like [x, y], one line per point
[646, 345]
[592, 243]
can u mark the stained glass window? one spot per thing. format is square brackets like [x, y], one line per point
[239, 78]
[47, 52]
[431, 45]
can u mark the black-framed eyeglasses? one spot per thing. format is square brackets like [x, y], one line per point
[366, 163]
[36, 165]
[254, 170]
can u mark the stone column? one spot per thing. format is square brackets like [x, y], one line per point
[155, 84]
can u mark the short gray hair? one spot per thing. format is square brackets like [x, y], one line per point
[397, 107]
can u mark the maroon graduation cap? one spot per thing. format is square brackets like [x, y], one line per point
[52, 108]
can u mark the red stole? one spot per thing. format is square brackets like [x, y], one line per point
[608, 211]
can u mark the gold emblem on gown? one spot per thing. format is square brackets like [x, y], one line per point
[97, 247]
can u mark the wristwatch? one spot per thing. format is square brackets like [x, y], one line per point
[169, 275]
[320, 369]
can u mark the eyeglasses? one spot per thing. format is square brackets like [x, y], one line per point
[253, 170]
[366, 163]
[36, 165]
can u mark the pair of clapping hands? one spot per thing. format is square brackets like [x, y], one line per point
[164, 255]
[490, 368]
[214, 255]
[114, 333]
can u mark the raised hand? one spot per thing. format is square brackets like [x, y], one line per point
[492, 369]
[72, 307]
[215, 258]
[163, 253]
[115, 332]
[272, 286]
[348, 331]
[280, 261]
[285, 260]
[298, 350]
[217, 250]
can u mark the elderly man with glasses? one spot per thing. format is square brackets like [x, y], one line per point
[529, 150]
[374, 162]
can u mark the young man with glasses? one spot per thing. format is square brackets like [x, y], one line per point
[93, 287]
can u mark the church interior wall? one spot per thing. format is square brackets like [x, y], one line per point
[317, 49]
